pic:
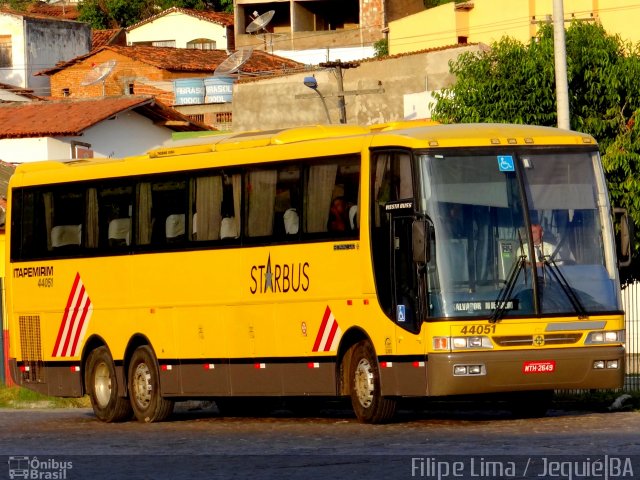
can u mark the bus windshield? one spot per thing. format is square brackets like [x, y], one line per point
[492, 213]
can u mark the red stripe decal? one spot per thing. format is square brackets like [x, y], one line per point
[332, 333]
[323, 325]
[66, 313]
[74, 321]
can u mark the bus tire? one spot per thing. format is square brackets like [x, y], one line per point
[102, 386]
[364, 386]
[144, 387]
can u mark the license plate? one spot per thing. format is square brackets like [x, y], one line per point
[543, 366]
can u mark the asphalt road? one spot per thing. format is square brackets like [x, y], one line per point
[433, 444]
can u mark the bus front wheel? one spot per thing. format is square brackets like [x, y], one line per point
[102, 387]
[364, 386]
[144, 387]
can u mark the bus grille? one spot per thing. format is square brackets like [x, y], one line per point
[31, 348]
[529, 340]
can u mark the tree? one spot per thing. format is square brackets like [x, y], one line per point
[381, 48]
[512, 82]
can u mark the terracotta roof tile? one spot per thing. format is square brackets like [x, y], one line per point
[72, 117]
[221, 18]
[188, 60]
[23, 92]
[114, 36]
[68, 12]
[41, 13]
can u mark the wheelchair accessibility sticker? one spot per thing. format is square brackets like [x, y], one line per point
[505, 163]
[401, 313]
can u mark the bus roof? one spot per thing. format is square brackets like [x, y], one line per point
[409, 134]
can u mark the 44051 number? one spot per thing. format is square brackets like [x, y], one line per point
[46, 282]
[478, 329]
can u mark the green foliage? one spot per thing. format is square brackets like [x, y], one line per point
[381, 48]
[17, 397]
[512, 82]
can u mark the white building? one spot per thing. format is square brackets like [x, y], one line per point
[97, 127]
[30, 43]
[184, 28]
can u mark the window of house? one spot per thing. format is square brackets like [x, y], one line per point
[66, 92]
[6, 57]
[164, 43]
[202, 44]
[198, 117]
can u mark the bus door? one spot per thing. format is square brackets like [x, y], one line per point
[407, 274]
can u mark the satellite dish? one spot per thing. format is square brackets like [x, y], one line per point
[260, 22]
[233, 62]
[98, 73]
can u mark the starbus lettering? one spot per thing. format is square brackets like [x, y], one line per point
[279, 278]
[44, 271]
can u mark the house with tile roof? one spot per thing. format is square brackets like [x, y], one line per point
[82, 128]
[11, 93]
[55, 9]
[30, 42]
[113, 36]
[184, 28]
[161, 72]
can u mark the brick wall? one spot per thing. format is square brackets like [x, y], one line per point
[124, 73]
[372, 13]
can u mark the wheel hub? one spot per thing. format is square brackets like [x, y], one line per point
[142, 387]
[102, 385]
[363, 383]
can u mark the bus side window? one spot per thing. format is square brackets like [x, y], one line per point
[115, 206]
[261, 198]
[207, 201]
[231, 207]
[64, 211]
[336, 186]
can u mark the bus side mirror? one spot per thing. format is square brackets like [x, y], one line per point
[420, 242]
[623, 236]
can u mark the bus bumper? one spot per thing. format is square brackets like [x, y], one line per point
[59, 380]
[507, 371]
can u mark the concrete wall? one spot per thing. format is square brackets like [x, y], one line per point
[38, 44]
[179, 27]
[50, 42]
[272, 103]
[490, 20]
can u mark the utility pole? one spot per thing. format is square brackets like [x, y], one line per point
[337, 67]
[560, 57]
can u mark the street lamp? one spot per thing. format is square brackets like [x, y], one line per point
[312, 83]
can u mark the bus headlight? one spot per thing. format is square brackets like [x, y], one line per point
[613, 336]
[461, 343]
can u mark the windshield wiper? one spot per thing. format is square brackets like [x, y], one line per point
[502, 302]
[566, 288]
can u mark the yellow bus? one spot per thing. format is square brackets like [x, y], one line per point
[374, 263]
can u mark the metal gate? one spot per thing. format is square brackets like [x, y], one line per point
[631, 305]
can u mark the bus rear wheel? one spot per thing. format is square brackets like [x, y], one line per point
[364, 386]
[102, 387]
[144, 387]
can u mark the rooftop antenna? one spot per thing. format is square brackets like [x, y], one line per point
[99, 73]
[259, 24]
[233, 62]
